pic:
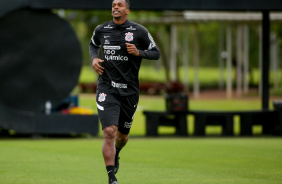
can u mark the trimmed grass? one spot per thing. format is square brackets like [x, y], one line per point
[148, 160]
[144, 160]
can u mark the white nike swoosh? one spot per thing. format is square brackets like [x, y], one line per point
[110, 171]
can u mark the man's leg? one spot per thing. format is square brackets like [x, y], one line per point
[127, 112]
[109, 150]
[121, 140]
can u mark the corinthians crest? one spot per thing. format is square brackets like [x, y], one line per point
[129, 36]
[102, 97]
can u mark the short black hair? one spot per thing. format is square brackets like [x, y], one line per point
[127, 2]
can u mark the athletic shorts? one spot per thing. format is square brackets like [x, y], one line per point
[114, 109]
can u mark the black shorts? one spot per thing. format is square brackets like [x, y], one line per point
[114, 109]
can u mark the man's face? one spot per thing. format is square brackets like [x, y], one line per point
[119, 9]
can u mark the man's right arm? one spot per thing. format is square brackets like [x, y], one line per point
[94, 45]
[94, 49]
[96, 65]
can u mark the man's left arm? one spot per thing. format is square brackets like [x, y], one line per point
[152, 53]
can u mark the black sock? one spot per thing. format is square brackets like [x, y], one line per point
[117, 151]
[111, 172]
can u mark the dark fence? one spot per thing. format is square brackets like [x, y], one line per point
[177, 111]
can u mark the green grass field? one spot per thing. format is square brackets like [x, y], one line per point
[167, 159]
[143, 161]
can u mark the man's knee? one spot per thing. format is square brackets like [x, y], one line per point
[110, 132]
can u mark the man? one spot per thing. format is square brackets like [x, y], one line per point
[124, 45]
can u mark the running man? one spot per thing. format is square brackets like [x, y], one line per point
[124, 44]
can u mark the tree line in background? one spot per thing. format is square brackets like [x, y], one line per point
[84, 22]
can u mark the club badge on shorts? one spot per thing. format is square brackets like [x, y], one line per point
[129, 36]
[102, 97]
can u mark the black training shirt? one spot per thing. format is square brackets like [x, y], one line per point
[120, 68]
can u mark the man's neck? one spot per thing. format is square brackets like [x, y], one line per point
[119, 20]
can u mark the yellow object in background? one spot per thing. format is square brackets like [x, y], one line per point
[81, 110]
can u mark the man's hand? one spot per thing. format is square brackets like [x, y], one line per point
[96, 65]
[131, 49]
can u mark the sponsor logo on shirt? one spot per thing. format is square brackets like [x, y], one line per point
[110, 52]
[116, 58]
[107, 42]
[108, 27]
[107, 36]
[131, 28]
[129, 36]
[112, 47]
[119, 85]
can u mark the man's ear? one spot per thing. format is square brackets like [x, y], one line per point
[127, 11]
